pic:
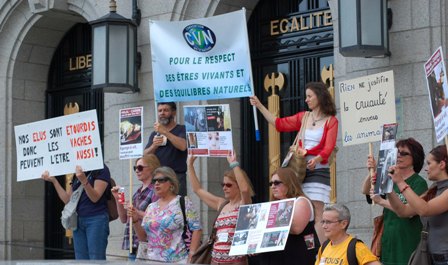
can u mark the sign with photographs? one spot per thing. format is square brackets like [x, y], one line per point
[437, 92]
[131, 131]
[263, 227]
[387, 157]
[209, 130]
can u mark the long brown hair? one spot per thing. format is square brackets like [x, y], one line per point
[289, 179]
[326, 102]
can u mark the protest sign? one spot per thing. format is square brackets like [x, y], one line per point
[366, 104]
[201, 59]
[263, 227]
[58, 145]
[387, 157]
[209, 130]
[131, 131]
[437, 92]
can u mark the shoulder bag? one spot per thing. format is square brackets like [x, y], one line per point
[203, 254]
[295, 159]
[378, 228]
[420, 256]
[69, 217]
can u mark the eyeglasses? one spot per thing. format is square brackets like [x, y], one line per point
[227, 185]
[160, 180]
[275, 182]
[328, 222]
[403, 153]
[139, 168]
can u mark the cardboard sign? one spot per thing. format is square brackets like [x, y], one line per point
[58, 145]
[366, 104]
[131, 132]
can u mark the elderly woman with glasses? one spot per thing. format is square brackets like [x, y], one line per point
[237, 191]
[432, 207]
[142, 197]
[401, 234]
[302, 244]
[163, 223]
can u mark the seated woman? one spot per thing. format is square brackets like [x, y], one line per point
[432, 207]
[163, 224]
[401, 234]
[302, 244]
[90, 237]
[237, 191]
[143, 196]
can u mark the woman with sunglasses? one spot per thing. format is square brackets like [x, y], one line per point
[432, 207]
[237, 191]
[142, 197]
[302, 244]
[401, 234]
[163, 223]
[321, 130]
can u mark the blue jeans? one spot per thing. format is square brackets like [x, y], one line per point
[440, 262]
[90, 239]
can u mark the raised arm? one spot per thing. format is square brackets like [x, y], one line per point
[62, 193]
[254, 101]
[208, 198]
[241, 179]
[99, 185]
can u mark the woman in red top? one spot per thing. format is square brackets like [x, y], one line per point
[320, 135]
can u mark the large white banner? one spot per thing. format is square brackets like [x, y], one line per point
[58, 145]
[437, 92]
[366, 104]
[201, 59]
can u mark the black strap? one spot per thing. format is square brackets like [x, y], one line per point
[182, 207]
[351, 250]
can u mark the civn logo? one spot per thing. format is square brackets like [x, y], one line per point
[199, 37]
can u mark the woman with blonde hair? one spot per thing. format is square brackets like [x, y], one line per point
[143, 196]
[163, 224]
[237, 191]
[302, 244]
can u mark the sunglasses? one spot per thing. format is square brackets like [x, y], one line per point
[275, 182]
[228, 185]
[403, 153]
[160, 180]
[139, 168]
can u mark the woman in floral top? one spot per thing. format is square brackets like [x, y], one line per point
[237, 191]
[163, 223]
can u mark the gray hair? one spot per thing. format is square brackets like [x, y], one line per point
[169, 173]
[342, 210]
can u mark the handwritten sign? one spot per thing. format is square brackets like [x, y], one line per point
[58, 145]
[131, 132]
[201, 59]
[366, 104]
[437, 92]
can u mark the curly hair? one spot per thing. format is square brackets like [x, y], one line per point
[326, 102]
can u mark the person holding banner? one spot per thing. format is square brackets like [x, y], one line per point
[237, 191]
[302, 244]
[168, 142]
[163, 224]
[431, 207]
[90, 236]
[319, 141]
[142, 197]
[401, 234]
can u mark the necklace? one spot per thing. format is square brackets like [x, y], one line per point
[314, 120]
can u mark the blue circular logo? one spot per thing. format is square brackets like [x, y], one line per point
[199, 37]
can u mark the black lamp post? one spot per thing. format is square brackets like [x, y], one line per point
[363, 28]
[114, 53]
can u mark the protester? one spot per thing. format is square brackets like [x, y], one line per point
[163, 224]
[237, 191]
[401, 234]
[335, 222]
[168, 142]
[431, 207]
[302, 243]
[142, 197]
[319, 142]
[90, 236]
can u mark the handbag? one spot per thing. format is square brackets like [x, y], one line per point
[295, 159]
[420, 256]
[203, 254]
[378, 228]
[69, 217]
[111, 203]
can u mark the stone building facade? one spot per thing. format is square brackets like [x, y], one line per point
[31, 31]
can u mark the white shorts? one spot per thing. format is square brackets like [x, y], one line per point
[317, 191]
